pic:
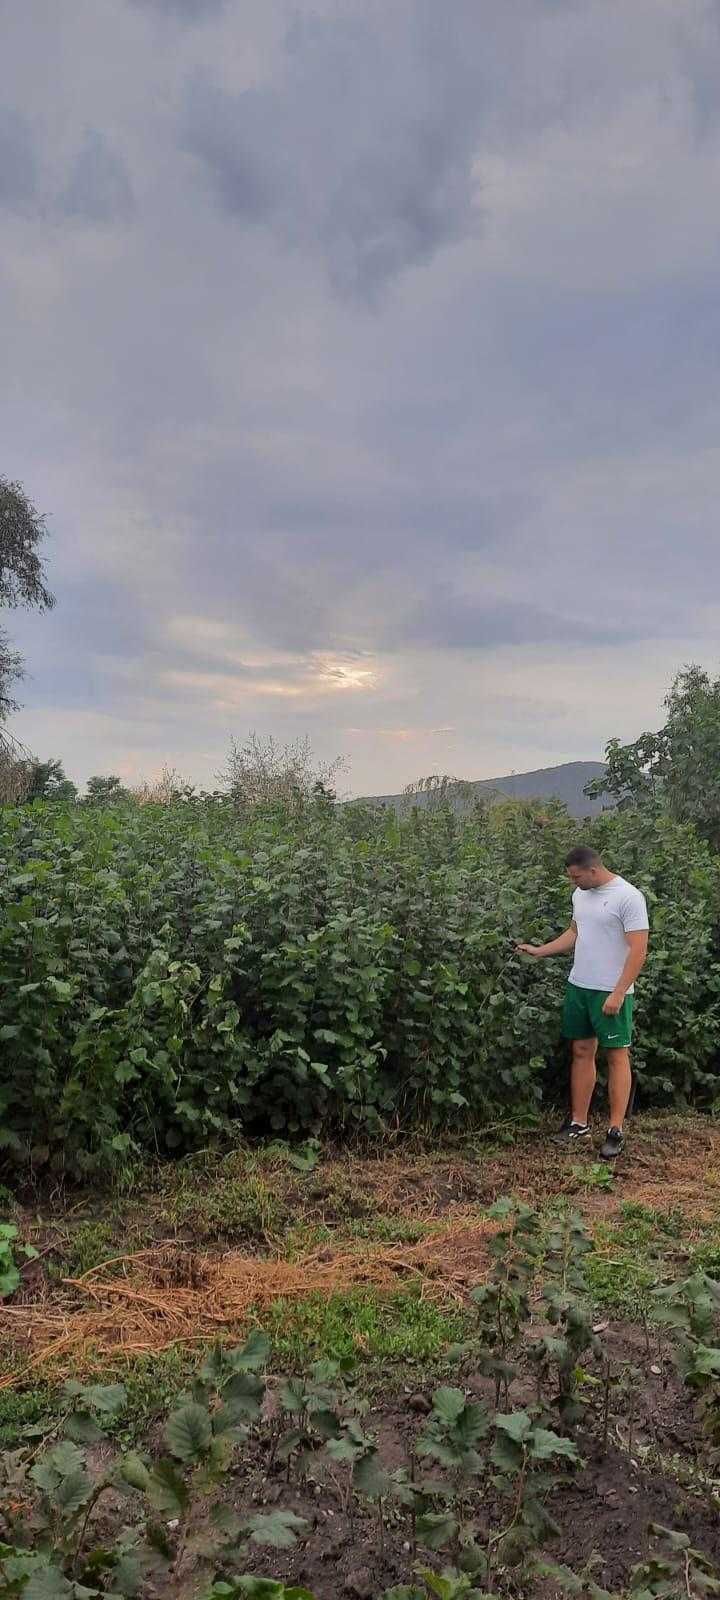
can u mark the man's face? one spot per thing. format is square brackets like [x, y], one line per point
[584, 877]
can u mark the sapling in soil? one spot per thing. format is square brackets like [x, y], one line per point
[566, 1299]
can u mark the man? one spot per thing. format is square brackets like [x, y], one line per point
[609, 935]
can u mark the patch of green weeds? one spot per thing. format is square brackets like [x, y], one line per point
[303, 1237]
[90, 1244]
[238, 1208]
[387, 1229]
[706, 1256]
[153, 1383]
[594, 1175]
[374, 1329]
[20, 1408]
[630, 1257]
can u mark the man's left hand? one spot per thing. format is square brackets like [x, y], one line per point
[613, 1004]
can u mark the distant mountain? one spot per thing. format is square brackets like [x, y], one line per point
[564, 783]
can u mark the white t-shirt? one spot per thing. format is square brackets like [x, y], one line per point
[603, 917]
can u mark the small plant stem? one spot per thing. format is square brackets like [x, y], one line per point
[606, 1408]
[95, 1496]
[496, 1538]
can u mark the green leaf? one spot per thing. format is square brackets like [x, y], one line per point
[188, 1432]
[72, 1493]
[448, 1404]
[244, 1394]
[82, 1428]
[369, 1477]
[166, 1490]
[515, 1424]
[253, 1355]
[47, 1584]
[9, 1282]
[66, 1458]
[545, 1445]
[45, 1477]
[292, 1394]
[436, 1529]
[134, 1472]
[279, 1529]
[108, 1398]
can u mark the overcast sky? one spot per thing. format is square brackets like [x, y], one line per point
[363, 355]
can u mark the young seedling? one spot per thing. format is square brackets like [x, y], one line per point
[504, 1303]
[691, 1309]
[312, 1406]
[566, 1298]
[451, 1436]
[526, 1457]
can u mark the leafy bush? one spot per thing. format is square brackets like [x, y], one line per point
[170, 973]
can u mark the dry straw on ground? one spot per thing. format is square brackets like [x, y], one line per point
[169, 1296]
[172, 1295]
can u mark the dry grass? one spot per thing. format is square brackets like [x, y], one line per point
[171, 1294]
[167, 1297]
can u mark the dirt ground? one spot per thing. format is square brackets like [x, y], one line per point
[209, 1250]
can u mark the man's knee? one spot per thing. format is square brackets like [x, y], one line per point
[584, 1049]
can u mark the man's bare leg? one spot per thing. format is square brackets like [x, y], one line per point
[582, 1077]
[619, 1085]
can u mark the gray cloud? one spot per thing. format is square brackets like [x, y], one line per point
[361, 150]
[18, 162]
[99, 189]
[187, 10]
[393, 417]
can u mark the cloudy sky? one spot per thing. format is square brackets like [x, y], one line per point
[363, 355]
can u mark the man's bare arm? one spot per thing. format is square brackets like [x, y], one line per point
[637, 944]
[557, 947]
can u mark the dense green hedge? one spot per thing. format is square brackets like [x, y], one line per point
[167, 974]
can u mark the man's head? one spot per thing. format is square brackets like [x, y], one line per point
[585, 868]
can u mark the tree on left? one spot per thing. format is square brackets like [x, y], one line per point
[22, 583]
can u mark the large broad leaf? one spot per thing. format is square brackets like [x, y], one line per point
[9, 1281]
[134, 1472]
[403, 1591]
[47, 1584]
[292, 1395]
[45, 1477]
[515, 1424]
[326, 1423]
[369, 1477]
[83, 1429]
[66, 1458]
[545, 1445]
[253, 1355]
[72, 1493]
[226, 1521]
[261, 1589]
[436, 1529]
[448, 1404]
[128, 1574]
[109, 1398]
[472, 1426]
[344, 1449]
[166, 1490]
[188, 1432]
[245, 1393]
[280, 1529]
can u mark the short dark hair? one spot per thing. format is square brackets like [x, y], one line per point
[583, 856]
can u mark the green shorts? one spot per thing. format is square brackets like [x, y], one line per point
[584, 1018]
